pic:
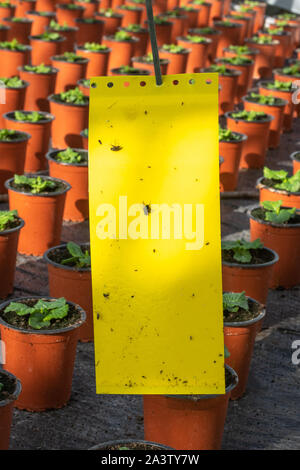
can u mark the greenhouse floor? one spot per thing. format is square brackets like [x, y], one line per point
[267, 417]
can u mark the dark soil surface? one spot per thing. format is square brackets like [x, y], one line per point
[8, 387]
[60, 254]
[242, 315]
[259, 256]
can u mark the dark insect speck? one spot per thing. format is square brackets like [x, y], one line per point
[106, 295]
[99, 141]
[116, 148]
[147, 209]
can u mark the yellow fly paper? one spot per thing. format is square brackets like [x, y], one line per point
[155, 235]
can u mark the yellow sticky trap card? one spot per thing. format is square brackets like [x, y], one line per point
[155, 235]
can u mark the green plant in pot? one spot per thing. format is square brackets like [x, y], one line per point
[230, 148]
[276, 185]
[13, 145]
[13, 54]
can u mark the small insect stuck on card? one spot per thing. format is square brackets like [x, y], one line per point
[147, 208]
[116, 148]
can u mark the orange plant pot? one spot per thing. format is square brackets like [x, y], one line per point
[265, 60]
[42, 51]
[138, 63]
[121, 51]
[254, 279]
[163, 34]
[137, 71]
[41, 85]
[39, 22]
[68, 73]
[85, 140]
[8, 256]
[186, 422]
[285, 95]
[77, 199]
[293, 30]
[39, 142]
[14, 99]
[228, 89]
[283, 49]
[111, 24]
[259, 17]
[13, 153]
[177, 62]
[23, 6]
[140, 5]
[6, 12]
[130, 16]
[44, 362]
[178, 26]
[74, 284]
[140, 47]
[198, 53]
[11, 60]
[97, 61]
[217, 10]
[295, 157]
[267, 193]
[83, 87]
[248, 14]
[70, 39]
[214, 37]
[19, 30]
[203, 13]
[239, 338]
[229, 171]
[252, 55]
[45, 5]
[229, 35]
[255, 148]
[243, 31]
[6, 411]
[89, 32]
[3, 32]
[42, 214]
[276, 125]
[65, 15]
[244, 80]
[90, 8]
[69, 121]
[285, 241]
[191, 19]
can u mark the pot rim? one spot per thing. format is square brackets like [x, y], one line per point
[129, 41]
[17, 391]
[52, 100]
[275, 42]
[42, 332]
[61, 31]
[46, 13]
[42, 121]
[24, 20]
[55, 152]
[22, 138]
[220, 59]
[52, 72]
[233, 25]
[36, 38]
[137, 59]
[261, 84]
[260, 185]
[14, 229]
[234, 73]
[243, 139]
[83, 60]
[205, 397]
[144, 72]
[115, 15]
[264, 222]
[278, 72]
[104, 51]
[184, 39]
[53, 194]
[252, 52]
[83, 20]
[129, 441]
[27, 49]
[63, 6]
[64, 266]
[25, 85]
[215, 33]
[261, 121]
[292, 156]
[143, 30]
[285, 102]
[254, 266]
[119, 7]
[184, 51]
[241, 324]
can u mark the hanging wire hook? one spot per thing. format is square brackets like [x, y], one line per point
[154, 48]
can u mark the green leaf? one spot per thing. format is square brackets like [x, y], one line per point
[273, 206]
[226, 352]
[233, 301]
[57, 313]
[69, 156]
[6, 217]
[74, 249]
[36, 320]
[1, 387]
[275, 175]
[242, 255]
[283, 216]
[19, 308]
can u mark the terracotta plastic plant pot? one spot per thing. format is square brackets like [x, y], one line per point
[23, 6]
[19, 30]
[255, 148]
[121, 51]
[293, 30]
[130, 16]
[41, 85]
[266, 193]
[254, 279]
[231, 152]
[69, 121]
[74, 284]
[116, 3]
[177, 62]
[111, 24]
[137, 445]
[8, 255]
[228, 90]
[77, 199]
[70, 39]
[85, 140]
[260, 16]
[39, 142]
[163, 34]
[83, 87]
[295, 157]
[187, 422]
[244, 79]
[136, 4]
[43, 360]
[11, 60]
[68, 16]
[13, 153]
[139, 63]
[137, 71]
[276, 125]
[191, 19]
[90, 8]
[229, 35]
[198, 53]
[43, 215]
[285, 95]
[140, 47]
[248, 14]
[6, 410]
[42, 50]
[68, 73]
[89, 32]
[97, 61]
[283, 48]
[203, 13]
[217, 10]
[6, 12]
[285, 241]
[251, 55]
[244, 22]
[178, 26]
[239, 338]
[264, 60]
[14, 99]
[45, 5]
[214, 37]
[281, 76]
[39, 22]
[3, 32]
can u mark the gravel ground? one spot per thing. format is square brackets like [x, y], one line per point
[267, 417]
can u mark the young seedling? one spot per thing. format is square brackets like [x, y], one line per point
[69, 156]
[42, 313]
[7, 219]
[135, 28]
[278, 85]
[72, 6]
[240, 50]
[74, 96]
[13, 82]
[94, 47]
[58, 27]
[1, 386]
[128, 70]
[280, 180]
[276, 215]
[267, 100]
[85, 82]
[226, 135]
[42, 68]
[107, 12]
[250, 116]
[7, 135]
[78, 257]
[205, 30]
[242, 249]
[160, 20]
[262, 39]
[69, 57]
[293, 70]
[221, 69]
[48, 36]
[85, 132]
[196, 39]
[35, 185]
[234, 301]
[173, 48]
[13, 45]
[19, 19]
[33, 116]
[122, 36]
[238, 60]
